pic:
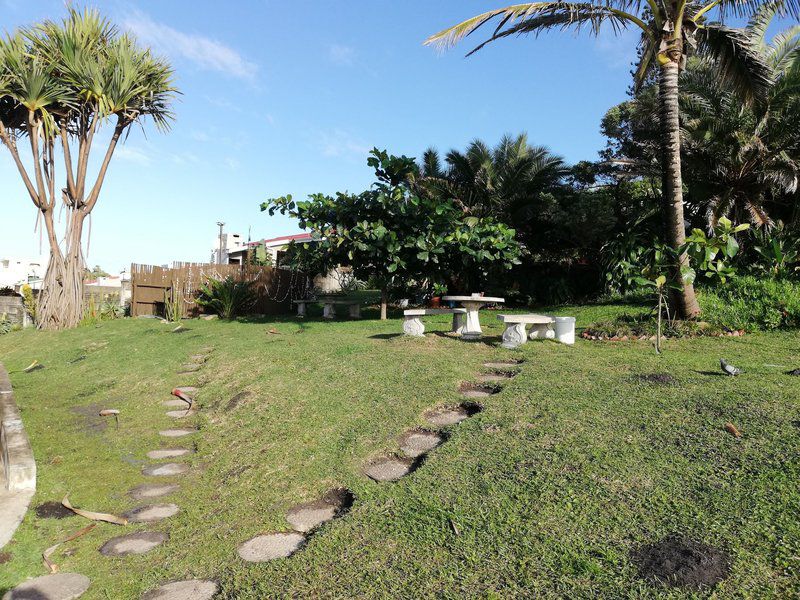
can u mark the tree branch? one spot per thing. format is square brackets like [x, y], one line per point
[68, 163]
[12, 148]
[98, 184]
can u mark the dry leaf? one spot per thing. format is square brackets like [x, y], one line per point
[33, 366]
[94, 516]
[273, 331]
[179, 394]
[731, 428]
[107, 412]
[51, 566]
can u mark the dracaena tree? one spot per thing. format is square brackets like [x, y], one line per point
[671, 30]
[60, 83]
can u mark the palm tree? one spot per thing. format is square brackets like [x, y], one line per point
[671, 31]
[504, 181]
[59, 83]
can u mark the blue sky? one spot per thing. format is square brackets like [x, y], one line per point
[285, 96]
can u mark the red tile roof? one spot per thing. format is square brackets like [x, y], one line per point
[299, 237]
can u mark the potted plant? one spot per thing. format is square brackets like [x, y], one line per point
[439, 290]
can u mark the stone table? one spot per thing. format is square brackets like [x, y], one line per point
[473, 303]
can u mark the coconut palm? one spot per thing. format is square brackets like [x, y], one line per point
[503, 181]
[59, 84]
[671, 31]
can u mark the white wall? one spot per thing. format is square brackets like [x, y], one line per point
[15, 270]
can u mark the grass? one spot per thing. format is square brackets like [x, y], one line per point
[545, 493]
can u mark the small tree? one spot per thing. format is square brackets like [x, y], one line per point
[59, 83]
[391, 235]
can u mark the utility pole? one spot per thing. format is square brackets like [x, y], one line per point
[220, 224]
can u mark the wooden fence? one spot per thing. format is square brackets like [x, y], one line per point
[153, 288]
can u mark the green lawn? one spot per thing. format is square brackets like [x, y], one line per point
[543, 494]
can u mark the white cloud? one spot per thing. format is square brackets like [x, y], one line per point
[232, 163]
[205, 52]
[339, 143]
[133, 154]
[341, 55]
[617, 50]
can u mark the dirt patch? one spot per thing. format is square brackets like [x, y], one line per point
[53, 510]
[236, 399]
[795, 373]
[657, 378]
[5, 557]
[90, 420]
[677, 561]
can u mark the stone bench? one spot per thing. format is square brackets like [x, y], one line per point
[542, 327]
[328, 307]
[413, 325]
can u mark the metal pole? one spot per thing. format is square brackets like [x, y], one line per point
[219, 252]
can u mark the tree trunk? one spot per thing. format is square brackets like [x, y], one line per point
[384, 302]
[673, 184]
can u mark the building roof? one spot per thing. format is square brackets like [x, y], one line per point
[284, 239]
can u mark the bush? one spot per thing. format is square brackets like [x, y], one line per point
[227, 297]
[753, 304]
[5, 324]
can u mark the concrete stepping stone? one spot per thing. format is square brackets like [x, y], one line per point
[502, 364]
[471, 390]
[415, 443]
[495, 377]
[309, 515]
[190, 589]
[187, 389]
[198, 358]
[389, 468]
[165, 470]
[263, 548]
[152, 490]
[173, 433]
[176, 403]
[442, 417]
[207, 349]
[133, 543]
[181, 414]
[151, 513]
[168, 453]
[189, 368]
[60, 586]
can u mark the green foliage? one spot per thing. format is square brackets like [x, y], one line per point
[259, 256]
[173, 305]
[29, 300]
[713, 255]
[5, 324]
[227, 297]
[753, 303]
[777, 252]
[390, 234]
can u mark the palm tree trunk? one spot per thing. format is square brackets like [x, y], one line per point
[673, 184]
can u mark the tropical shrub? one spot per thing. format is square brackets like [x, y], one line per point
[777, 252]
[227, 297]
[5, 324]
[753, 304]
[712, 255]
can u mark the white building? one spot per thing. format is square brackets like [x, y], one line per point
[16, 271]
[225, 247]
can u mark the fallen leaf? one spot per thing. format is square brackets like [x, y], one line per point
[94, 516]
[731, 428]
[51, 566]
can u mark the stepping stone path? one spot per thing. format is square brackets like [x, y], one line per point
[477, 391]
[187, 389]
[496, 377]
[165, 470]
[442, 417]
[198, 358]
[305, 517]
[189, 368]
[61, 586]
[177, 403]
[416, 443]
[151, 513]
[168, 453]
[152, 490]
[389, 468]
[504, 364]
[173, 433]
[263, 548]
[180, 414]
[133, 543]
[191, 589]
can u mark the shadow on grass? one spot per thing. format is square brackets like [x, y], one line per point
[712, 373]
[385, 336]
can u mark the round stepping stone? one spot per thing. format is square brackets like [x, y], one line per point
[493, 377]
[189, 368]
[177, 403]
[389, 468]
[442, 417]
[305, 517]
[168, 453]
[417, 443]
[187, 389]
[152, 490]
[477, 393]
[173, 433]
[504, 364]
[133, 543]
[269, 547]
[207, 349]
[190, 589]
[180, 414]
[198, 358]
[151, 513]
[61, 586]
[165, 470]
